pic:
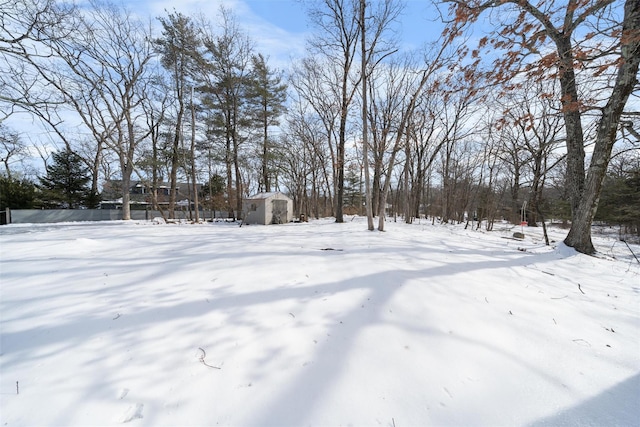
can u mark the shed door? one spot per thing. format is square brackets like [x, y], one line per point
[279, 210]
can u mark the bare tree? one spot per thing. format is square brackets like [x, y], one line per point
[425, 139]
[12, 148]
[337, 41]
[312, 78]
[225, 74]
[365, 116]
[390, 91]
[574, 41]
[538, 133]
[96, 71]
[155, 104]
[267, 96]
[27, 27]
[179, 48]
[373, 49]
[122, 55]
[309, 131]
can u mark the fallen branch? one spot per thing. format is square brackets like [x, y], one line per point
[202, 356]
[580, 288]
[634, 255]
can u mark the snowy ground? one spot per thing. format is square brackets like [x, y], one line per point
[318, 324]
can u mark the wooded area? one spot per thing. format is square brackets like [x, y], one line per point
[537, 119]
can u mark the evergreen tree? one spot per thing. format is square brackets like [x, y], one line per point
[353, 196]
[179, 49]
[16, 193]
[213, 192]
[226, 71]
[66, 184]
[620, 200]
[267, 95]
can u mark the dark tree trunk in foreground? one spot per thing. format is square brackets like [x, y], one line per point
[524, 29]
[579, 236]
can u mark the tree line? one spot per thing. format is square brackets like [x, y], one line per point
[532, 121]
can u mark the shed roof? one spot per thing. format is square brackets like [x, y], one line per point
[266, 195]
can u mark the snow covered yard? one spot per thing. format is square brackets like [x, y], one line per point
[317, 324]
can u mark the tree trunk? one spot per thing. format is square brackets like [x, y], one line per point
[126, 157]
[365, 128]
[95, 167]
[579, 236]
[155, 178]
[340, 165]
[126, 185]
[238, 175]
[515, 193]
[265, 149]
[193, 159]
[572, 122]
[407, 194]
[175, 158]
[228, 160]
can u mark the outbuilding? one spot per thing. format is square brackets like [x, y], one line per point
[267, 208]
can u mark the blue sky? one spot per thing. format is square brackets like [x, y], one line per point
[280, 27]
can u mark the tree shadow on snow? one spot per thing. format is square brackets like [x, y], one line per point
[618, 406]
[296, 402]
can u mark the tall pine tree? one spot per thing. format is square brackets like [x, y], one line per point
[226, 71]
[179, 52]
[66, 184]
[267, 94]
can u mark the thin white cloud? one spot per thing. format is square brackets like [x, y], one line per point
[275, 42]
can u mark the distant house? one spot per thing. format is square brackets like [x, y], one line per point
[140, 194]
[267, 208]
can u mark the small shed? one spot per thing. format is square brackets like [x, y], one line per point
[267, 208]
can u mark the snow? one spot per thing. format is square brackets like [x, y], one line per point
[314, 324]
